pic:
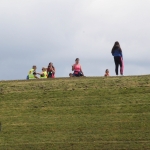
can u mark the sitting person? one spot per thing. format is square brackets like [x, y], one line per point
[51, 71]
[77, 69]
[107, 73]
[70, 75]
[43, 74]
[32, 73]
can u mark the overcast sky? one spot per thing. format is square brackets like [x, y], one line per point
[36, 32]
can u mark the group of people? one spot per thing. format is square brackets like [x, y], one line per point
[49, 72]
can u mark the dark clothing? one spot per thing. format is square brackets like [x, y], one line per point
[27, 77]
[77, 74]
[117, 52]
[50, 72]
[118, 62]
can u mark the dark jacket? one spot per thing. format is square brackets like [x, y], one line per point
[116, 51]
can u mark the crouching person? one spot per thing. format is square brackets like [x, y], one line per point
[107, 73]
[43, 74]
[51, 71]
[32, 73]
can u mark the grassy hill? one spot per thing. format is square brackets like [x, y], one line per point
[78, 113]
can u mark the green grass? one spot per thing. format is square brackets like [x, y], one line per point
[76, 113]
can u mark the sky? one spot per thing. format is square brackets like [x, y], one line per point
[36, 32]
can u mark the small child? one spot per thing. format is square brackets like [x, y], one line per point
[70, 75]
[107, 73]
[43, 74]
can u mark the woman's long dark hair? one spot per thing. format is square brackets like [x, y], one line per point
[52, 65]
[116, 46]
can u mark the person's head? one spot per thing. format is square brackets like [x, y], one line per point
[77, 60]
[34, 67]
[107, 71]
[116, 46]
[116, 43]
[43, 69]
[70, 75]
[50, 65]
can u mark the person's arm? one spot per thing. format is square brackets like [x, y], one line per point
[36, 77]
[122, 55]
[73, 68]
[112, 51]
[81, 71]
[53, 70]
[40, 73]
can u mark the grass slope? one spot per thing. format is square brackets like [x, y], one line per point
[73, 114]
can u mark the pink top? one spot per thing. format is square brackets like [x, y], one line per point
[77, 67]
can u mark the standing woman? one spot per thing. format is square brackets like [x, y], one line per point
[51, 70]
[118, 57]
[77, 69]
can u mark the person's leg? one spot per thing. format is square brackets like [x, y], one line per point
[35, 76]
[80, 74]
[76, 74]
[116, 65]
[121, 65]
[49, 74]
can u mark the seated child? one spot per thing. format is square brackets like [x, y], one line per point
[70, 75]
[43, 74]
[32, 73]
[107, 73]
